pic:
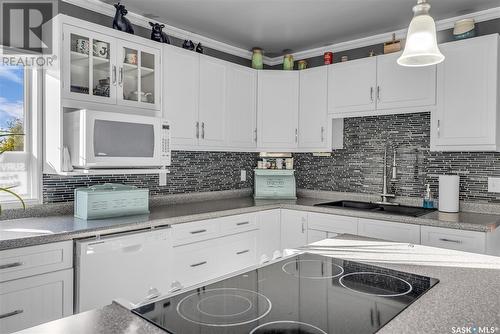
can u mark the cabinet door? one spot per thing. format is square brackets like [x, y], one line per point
[316, 235]
[351, 86]
[404, 87]
[467, 106]
[313, 108]
[241, 107]
[181, 90]
[89, 60]
[269, 240]
[332, 223]
[390, 231]
[293, 229]
[34, 300]
[212, 101]
[138, 76]
[278, 107]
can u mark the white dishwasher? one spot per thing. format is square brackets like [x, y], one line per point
[122, 266]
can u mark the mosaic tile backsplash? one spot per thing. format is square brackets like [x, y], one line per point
[359, 166]
[190, 172]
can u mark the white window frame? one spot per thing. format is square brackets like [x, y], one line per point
[32, 140]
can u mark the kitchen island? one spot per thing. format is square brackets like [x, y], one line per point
[467, 295]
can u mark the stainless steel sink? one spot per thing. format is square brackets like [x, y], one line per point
[402, 210]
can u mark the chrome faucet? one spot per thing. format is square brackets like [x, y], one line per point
[385, 195]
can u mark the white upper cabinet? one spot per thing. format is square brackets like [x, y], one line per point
[241, 107]
[404, 87]
[313, 105]
[277, 111]
[99, 68]
[467, 105]
[181, 92]
[212, 102]
[88, 75]
[351, 87]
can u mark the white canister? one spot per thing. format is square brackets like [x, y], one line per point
[448, 193]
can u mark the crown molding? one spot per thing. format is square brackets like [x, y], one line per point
[481, 16]
[142, 21]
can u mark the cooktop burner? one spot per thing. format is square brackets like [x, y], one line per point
[224, 307]
[303, 294]
[313, 269]
[376, 284]
[288, 327]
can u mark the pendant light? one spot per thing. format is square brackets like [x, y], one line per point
[421, 47]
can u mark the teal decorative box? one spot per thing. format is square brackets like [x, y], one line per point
[110, 200]
[275, 184]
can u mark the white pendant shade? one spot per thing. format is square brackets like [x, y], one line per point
[421, 47]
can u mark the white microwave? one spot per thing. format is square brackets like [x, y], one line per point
[98, 139]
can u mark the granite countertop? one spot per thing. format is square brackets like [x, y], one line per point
[468, 292]
[39, 230]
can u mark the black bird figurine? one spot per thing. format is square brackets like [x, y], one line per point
[120, 22]
[188, 44]
[199, 48]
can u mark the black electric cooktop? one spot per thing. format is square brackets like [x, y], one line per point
[306, 294]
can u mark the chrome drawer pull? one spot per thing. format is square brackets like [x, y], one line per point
[11, 265]
[450, 240]
[10, 314]
[242, 223]
[199, 231]
[243, 252]
[199, 264]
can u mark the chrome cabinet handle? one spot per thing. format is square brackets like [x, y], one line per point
[10, 314]
[378, 93]
[255, 134]
[451, 240]
[120, 76]
[322, 134]
[371, 94]
[197, 231]
[296, 135]
[198, 264]
[113, 74]
[242, 223]
[243, 252]
[197, 126]
[303, 228]
[202, 130]
[11, 265]
[439, 128]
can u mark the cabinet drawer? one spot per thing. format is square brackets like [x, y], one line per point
[389, 231]
[333, 223]
[238, 251]
[34, 300]
[468, 241]
[237, 224]
[28, 261]
[195, 231]
[196, 263]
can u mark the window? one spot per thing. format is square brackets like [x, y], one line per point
[19, 144]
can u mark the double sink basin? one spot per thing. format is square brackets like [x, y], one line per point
[392, 209]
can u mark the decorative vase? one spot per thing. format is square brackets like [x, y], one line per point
[302, 64]
[257, 62]
[288, 62]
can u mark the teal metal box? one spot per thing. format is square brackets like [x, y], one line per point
[110, 200]
[274, 184]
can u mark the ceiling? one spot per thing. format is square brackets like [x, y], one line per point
[276, 25]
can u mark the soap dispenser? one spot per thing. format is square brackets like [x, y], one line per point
[428, 202]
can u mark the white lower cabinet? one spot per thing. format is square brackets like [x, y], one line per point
[390, 231]
[468, 241]
[30, 301]
[293, 229]
[269, 235]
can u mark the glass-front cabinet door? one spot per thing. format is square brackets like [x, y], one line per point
[139, 76]
[89, 68]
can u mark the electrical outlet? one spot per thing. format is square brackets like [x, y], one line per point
[243, 175]
[494, 184]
